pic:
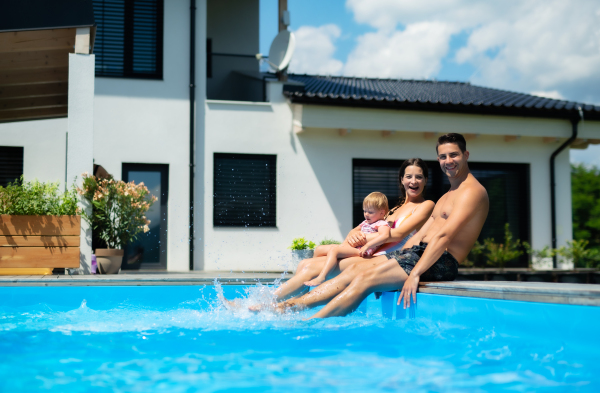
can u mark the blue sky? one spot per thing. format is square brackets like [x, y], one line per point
[543, 47]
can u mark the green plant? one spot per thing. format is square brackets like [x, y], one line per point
[580, 254]
[118, 209]
[474, 255]
[500, 253]
[301, 243]
[34, 198]
[546, 252]
[326, 242]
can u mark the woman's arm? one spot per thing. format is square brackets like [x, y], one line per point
[355, 237]
[415, 221]
[383, 234]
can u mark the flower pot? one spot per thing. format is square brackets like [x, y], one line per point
[109, 260]
[37, 244]
[299, 255]
[541, 263]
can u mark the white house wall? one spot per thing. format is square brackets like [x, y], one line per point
[314, 171]
[147, 121]
[44, 145]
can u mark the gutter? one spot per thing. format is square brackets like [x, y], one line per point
[192, 122]
[574, 124]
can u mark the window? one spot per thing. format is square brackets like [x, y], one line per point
[11, 164]
[507, 186]
[129, 38]
[244, 190]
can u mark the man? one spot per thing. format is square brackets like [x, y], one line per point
[432, 254]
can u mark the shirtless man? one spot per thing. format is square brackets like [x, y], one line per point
[432, 254]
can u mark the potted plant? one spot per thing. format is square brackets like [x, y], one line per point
[39, 228]
[576, 254]
[118, 216]
[301, 249]
[540, 259]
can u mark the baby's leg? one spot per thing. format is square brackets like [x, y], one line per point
[322, 251]
[341, 251]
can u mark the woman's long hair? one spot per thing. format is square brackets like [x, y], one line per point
[411, 161]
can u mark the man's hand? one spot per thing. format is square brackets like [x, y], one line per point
[410, 287]
[357, 239]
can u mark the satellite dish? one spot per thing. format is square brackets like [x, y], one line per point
[282, 49]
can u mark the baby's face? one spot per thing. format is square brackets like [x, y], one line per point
[372, 214]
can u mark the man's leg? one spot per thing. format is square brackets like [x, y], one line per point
[384, 276]
[329, 289]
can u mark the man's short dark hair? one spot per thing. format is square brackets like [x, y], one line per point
[452, 137]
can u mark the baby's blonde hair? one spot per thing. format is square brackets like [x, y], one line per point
[376, 200]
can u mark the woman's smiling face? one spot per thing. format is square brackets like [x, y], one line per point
[413, 181]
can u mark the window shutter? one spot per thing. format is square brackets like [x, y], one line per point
[244, 190]
[129, 38]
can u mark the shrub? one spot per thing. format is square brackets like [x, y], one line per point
[301, 243]
[578, 252]
[499, 254]
[34, 198]
[118, 209]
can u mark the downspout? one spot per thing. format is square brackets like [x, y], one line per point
[192, 122]
[574, 123]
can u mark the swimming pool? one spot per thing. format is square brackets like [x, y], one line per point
[179, 339]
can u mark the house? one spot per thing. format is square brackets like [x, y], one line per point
[243, 162]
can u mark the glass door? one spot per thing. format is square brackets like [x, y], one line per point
[149, 251]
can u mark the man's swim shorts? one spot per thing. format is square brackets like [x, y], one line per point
[444, 269]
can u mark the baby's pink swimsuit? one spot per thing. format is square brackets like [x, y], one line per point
[365, 227]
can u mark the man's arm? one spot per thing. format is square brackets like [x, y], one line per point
[464, 209]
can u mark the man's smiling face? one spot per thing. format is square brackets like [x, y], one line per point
[451, 159]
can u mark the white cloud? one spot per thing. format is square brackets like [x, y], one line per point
[554, 94]
[315, 49]
[415, 52]
[550, 46]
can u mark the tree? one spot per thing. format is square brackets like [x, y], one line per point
[585, 183]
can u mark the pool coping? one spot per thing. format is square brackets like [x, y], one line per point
[559, 293]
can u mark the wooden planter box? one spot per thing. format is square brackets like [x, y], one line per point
[38, 244]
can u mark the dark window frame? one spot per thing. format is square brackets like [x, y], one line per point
[127, 167]
[11, 164]
[438, 184]
[152, 55]
[228, 203]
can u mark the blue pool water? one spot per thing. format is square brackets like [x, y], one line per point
[181, 339]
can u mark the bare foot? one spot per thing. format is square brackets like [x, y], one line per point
[231, 304]
[315, 282]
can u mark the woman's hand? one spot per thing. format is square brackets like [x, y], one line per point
[357, 239]
[410, 287]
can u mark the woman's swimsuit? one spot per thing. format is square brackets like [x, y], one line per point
[401, 243]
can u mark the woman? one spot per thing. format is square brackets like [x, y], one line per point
[405, 220]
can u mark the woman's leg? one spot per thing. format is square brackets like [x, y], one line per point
[384, 276]
[307, 270]
[329, 289]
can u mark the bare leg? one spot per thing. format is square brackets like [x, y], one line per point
[328, 290]
[385, 276]
[307, 269]
[342, 251]
[322, 251]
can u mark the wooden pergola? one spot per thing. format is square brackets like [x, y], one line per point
[35, 42]
[47, 71]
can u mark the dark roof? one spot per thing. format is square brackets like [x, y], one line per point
[428, 95]
[19, 15]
